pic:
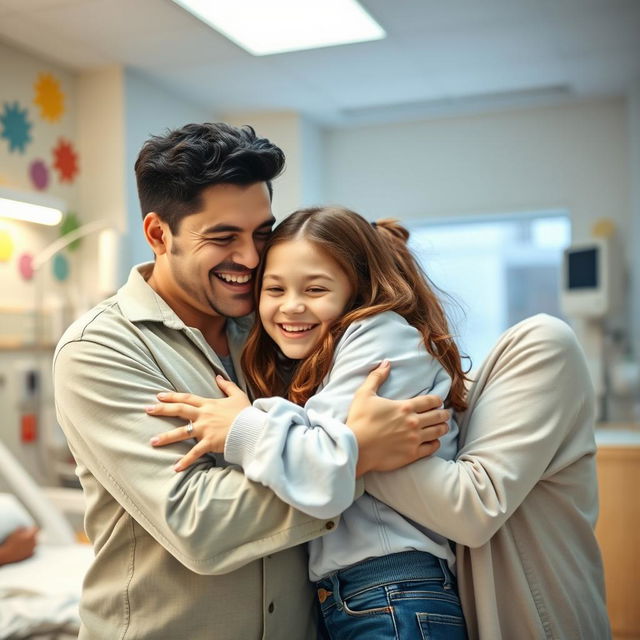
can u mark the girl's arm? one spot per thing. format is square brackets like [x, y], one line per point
[307, 455]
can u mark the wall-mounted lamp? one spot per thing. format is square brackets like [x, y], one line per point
[30, 206]
[107, 255]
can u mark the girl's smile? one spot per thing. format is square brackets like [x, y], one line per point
[304, 291]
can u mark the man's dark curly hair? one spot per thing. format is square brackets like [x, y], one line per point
[172, 170]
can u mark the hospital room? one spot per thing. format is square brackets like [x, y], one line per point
[503, 137]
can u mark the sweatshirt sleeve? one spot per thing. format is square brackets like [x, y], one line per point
[307, 455]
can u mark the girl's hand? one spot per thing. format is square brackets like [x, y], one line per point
[210, 418]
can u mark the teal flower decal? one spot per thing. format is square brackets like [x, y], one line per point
[15, 127]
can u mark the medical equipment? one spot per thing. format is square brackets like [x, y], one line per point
[593, 283]
[39, 596]
[592, 278]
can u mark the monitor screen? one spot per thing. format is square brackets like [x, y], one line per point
[583, 269]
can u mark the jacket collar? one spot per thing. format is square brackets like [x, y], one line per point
[140, 303]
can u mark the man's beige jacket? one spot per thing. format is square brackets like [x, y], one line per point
[203, 554]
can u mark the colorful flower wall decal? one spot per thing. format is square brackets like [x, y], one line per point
[15, 126]
[65, 161]
[6, 246]
[60, 267]
[25, 266]
[49, 97]
[39, 174]
[70, 223]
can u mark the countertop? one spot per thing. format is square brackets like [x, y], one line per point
[618, 434]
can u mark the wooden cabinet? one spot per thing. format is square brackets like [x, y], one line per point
[618, 533]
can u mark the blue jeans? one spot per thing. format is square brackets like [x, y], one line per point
[405, 596]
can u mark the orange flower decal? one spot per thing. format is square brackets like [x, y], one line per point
[65, 161]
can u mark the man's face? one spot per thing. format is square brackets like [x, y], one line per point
[209, 264]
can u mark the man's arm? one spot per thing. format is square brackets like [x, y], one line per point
[531, 413]
[394, 433]
[389, 433]
[213, 520]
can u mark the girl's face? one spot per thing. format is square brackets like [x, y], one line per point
[303, 292]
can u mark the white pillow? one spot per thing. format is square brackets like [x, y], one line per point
[12, 515]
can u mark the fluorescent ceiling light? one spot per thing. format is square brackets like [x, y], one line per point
[262, 27]
[30, 207]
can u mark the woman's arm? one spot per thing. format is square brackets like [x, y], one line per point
[530, 416]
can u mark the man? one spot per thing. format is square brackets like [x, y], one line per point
[206, 553]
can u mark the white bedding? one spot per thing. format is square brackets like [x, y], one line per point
[41, 594]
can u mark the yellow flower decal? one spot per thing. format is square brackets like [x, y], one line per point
[6, 246]
[49, 97]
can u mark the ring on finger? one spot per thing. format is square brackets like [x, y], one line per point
[189, 428]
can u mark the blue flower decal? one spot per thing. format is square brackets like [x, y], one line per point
[15, 127]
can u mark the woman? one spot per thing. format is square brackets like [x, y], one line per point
[337, 296]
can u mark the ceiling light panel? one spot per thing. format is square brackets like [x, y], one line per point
[276, 26]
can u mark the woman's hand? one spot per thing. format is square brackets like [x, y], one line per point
[209, 419]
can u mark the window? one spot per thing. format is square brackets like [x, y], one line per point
[495, 271]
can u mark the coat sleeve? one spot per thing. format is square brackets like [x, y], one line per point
[531, 414]
[211, 519]
[307, 455]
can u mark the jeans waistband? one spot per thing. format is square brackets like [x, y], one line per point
[406, 565]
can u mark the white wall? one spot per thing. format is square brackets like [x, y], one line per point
[19, 72]
[313, 164]
[573, 157]
[149, 110]
[284, 130]
[301, 184]
[101, 139]
[634, 230]
[109, 113]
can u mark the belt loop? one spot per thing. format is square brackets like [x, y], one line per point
[335, 585]
[448, 576]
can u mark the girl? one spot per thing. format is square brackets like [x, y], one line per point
[338, 295]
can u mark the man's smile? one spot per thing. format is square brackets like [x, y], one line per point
[234, 278]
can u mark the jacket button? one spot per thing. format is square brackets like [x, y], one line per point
[330, 525]
[271, 607]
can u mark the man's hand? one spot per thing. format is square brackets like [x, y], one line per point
[18, 545]
[394, 433]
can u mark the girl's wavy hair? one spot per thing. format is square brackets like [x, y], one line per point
[385, 277]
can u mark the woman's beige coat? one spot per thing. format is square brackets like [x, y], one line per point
[521, 498]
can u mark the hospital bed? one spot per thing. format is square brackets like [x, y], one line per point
[39, 596]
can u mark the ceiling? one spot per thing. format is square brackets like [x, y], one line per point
[438, 57]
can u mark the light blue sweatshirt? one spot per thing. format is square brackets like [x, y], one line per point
[307, 455]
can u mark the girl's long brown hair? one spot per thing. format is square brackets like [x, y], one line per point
[385, 277]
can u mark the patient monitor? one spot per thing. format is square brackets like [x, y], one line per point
[592, 279]
[591, 297]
